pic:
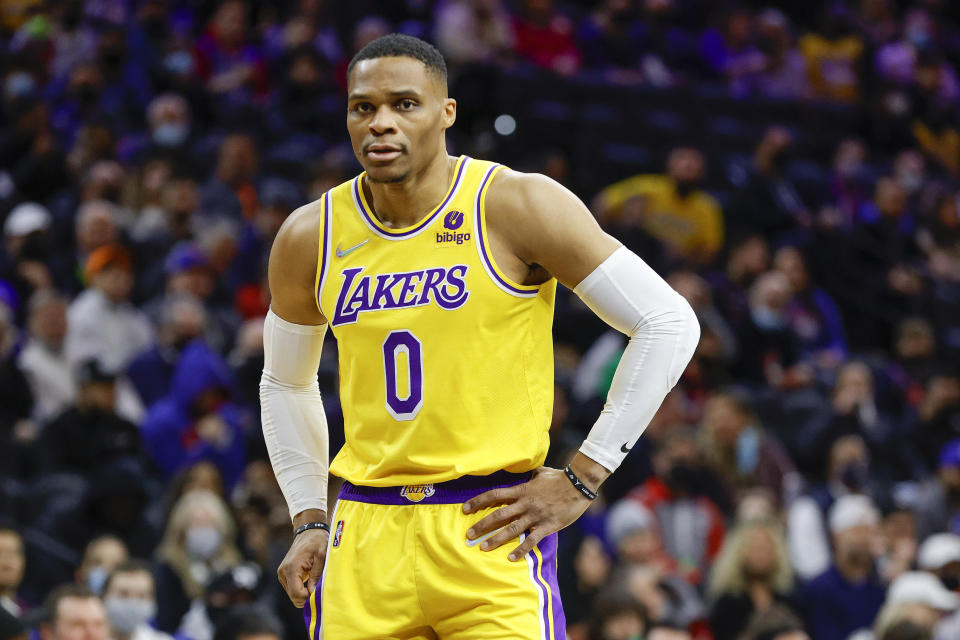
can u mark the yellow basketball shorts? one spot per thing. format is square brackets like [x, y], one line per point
[399, 566]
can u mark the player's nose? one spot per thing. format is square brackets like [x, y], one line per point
[383, 121]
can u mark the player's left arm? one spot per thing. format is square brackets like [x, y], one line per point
[538, 229]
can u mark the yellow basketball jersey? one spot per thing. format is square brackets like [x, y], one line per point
[446, 365]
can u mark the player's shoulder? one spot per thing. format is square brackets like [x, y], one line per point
[299, 232]
[515, 192]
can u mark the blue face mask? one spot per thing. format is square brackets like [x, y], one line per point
[20, 84]
[179, 62]
[748, 451]
[170, 134]
[766, 318]
[96, 579]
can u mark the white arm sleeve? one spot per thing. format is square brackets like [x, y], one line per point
[291, 411]
[629, 296]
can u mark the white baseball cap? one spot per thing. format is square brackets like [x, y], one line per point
[628, 516]
[852, 510]
[920, 587]
[938, 550]
[26, 218]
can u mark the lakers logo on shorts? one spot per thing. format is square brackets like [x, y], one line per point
[417, 492]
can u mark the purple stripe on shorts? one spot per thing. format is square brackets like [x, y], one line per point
[548, 550]
[451, 492]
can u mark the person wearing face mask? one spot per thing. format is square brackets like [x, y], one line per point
[938, 505]
[198, 543]
[849, 594]
[671, 208]
[102, 555]
[742, 452]
[130, 599]
[677, 496]
[170, 122]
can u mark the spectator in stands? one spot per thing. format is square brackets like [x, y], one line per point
[752, 573]
[774, 623]
[168, 117]
[611, 40]
[90, 433]
[231, 190]
[811, 312]
[43, 360]
[834, 56]
[102, 323]
[718, 346]
[474, 32]
[918, 597]
[848, 595]
[182, 319]
[940, 555]
[228, 61]
[544, 37]
[771, 349]
[849, 184]
[13, 562]
[130, 599]
[768, 200]
[939, 413]
[232, 591]
[784, 75]
[618, 616]
[748, 257]
[249, 623]
[195, 420]
[914, 362]
[584, 578]
[16, 400]
[676, 494]
[742, 453]
[96, 227]
[938, 506]
[934, 121]
[197, 544]
[632, 531]
[848, 471]
[27, 263]
[670, 601]
[855, 410]
[733, 54]
[102, 555]
[76, 613]
[671, 208]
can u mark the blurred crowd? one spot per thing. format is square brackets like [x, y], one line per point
[803, 479]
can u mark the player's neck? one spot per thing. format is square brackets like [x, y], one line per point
[403, 204]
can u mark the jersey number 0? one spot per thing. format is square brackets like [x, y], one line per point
[397, 343]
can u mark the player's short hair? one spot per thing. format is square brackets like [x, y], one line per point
[400, 45]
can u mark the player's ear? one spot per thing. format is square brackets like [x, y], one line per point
[449, 112]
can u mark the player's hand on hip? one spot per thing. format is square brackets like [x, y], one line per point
[543, 505]
[302, 567]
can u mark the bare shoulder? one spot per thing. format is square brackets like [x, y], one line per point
[545, 224]
[293, 265]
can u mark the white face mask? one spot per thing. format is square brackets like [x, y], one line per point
[126, 614]
[203, 542]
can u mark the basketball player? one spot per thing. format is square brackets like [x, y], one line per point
[437, 275]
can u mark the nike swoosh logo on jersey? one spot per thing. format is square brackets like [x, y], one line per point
[341, 253]
[624, 448]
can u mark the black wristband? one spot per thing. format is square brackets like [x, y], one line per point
[311, 525]
[582, 488]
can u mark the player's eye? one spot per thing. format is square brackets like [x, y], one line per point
[363, 107]
[406, 104]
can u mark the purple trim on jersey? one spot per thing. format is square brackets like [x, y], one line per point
[548, 550]
[451, 492]
[326, 242]
[483, 249]
[462, 162]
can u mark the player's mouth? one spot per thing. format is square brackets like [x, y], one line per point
[383, 152]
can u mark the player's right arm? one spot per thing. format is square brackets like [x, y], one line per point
[291, 410]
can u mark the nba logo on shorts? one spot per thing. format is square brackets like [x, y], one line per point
[338, 532]
[453, 220]
[417, 492]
